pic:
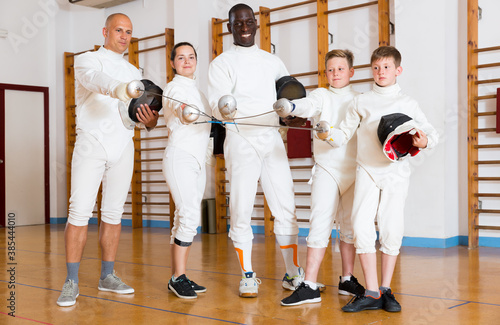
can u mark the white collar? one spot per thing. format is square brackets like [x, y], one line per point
[244, 49]
[185, 80]
[387, 91]
[341, 91]
[109, 53]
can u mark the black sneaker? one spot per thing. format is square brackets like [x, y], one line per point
[302, 295]
[359, 303]
[390, 303]
[182, 287]
[351, 287]
[196, 287]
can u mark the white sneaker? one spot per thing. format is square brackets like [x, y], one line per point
[249, 286]
[291, 283]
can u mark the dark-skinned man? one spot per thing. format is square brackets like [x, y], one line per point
[252, 153]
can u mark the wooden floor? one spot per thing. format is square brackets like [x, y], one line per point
[434, 286]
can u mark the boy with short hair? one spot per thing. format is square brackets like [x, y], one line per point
[332, 180]
[382, 176]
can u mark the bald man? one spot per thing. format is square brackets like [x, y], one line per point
[103, 152]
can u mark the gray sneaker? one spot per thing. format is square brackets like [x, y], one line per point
[68, 294]
[292, 283]
[113, 283]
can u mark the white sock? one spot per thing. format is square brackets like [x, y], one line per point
[289, 246]
[311, 284]
[346, 278]
[244, 253]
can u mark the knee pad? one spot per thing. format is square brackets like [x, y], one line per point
[182, 243]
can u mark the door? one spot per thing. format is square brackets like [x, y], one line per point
[24, 168]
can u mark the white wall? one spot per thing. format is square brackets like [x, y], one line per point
[28, 57]
[426, 77]
[434, 73]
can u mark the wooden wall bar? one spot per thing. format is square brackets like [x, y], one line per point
[322, 23]
[474, 206]
[472, 34]
[383, 23]
[69, 89]
[133, 58]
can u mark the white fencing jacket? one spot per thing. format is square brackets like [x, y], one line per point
[363, 116]
[97, 74]
[249, 74]
[330, 105]
[192, 138]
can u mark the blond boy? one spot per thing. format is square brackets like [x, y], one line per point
[332, 180]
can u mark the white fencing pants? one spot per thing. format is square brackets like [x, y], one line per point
[248, 159]
[91, 165]
[186, 180]
[325, 209]
[386, 205]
